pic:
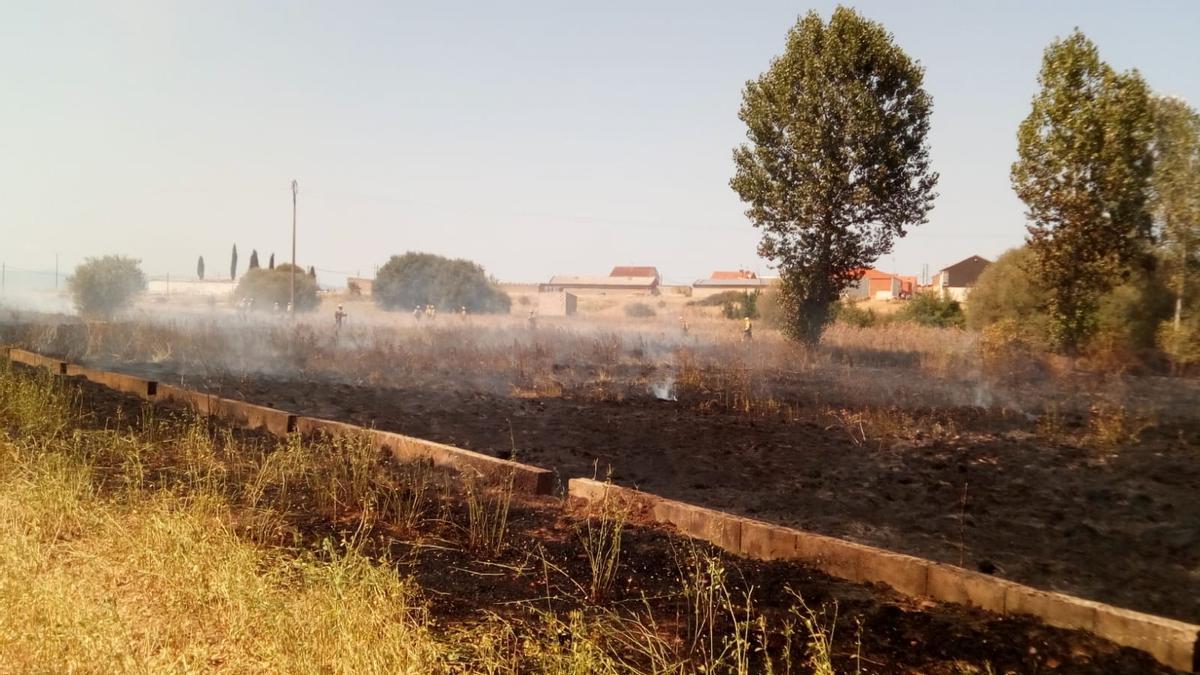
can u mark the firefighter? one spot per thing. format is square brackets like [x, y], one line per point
[683, 325]
[417, 313]
[747, 331]
[532, 320]
[338, 317]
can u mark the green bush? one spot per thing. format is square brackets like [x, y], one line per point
[1005, 291]
[733, 304]
[102, 287]
[269, 286]
[718, 299]
[851, 314]
[769, 311]
[930, 309]
[1181, 345]
[639, 310]
[406, 281]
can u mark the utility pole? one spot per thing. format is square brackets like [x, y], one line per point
[295, 189]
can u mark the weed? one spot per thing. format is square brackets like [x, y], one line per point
[487, 514]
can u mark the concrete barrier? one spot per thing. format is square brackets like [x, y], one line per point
[250, 416]
[120, 382]
[1174, 643]
[56, 366]
[194, 400]
[526, 479]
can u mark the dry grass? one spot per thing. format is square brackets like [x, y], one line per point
[163, 547]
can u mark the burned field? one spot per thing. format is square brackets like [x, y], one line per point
[542, 571]
[1082, 484]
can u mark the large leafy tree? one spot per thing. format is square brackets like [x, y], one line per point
[837, 164]
[412, 279]
[102, 287]
[1176, 183]
[271, 288]
[1083, 170]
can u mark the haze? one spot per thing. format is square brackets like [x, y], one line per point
[536, 138]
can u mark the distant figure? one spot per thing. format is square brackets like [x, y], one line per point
[747, 331]
[417, 313]
[683, 325]
[463, 312]
[290, 308]
[275, 309]
[532, 320]
[338, 317]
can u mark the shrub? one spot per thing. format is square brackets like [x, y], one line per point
[1181, 345]
[639, 310]
[851, 314]
[930, 309]
[1005, 291]
[769, 310]
[101, 287]
[718, 299]
[269, 286]
[412, 279]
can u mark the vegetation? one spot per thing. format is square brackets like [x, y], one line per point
[639, 310]
[253, 260]
[102, 287]
[270, 287]
[838, 165]
[233, 264]
[413, 279]
[1083, 170]
[200, 268]
[1177, 194]
[930, 309]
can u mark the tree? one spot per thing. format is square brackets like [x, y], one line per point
[412, 279]
[253, 259]
[102, 287]
[1176, 201]
[200, 268]
[271, 262]
[233, 264]
[838, 165]
[270, 287]
[1083, 170]
[312, 271]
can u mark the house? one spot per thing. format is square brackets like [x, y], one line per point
[874, 284]
[956, 281]
[722, 281]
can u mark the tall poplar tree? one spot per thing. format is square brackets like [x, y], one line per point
[1083, 170]
[837, 164]
[233, 264]
[1177, 191]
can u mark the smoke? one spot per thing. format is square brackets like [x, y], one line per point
[665, 390]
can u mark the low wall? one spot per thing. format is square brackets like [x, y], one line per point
[126, 383]
[56, 366]
[1174, 643]
[526, 479]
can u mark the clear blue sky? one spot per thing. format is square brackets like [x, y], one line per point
[536, 138]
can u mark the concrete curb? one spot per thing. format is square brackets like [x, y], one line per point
[127, 383]
[35, 360]
[1174, 643]
[526, 479]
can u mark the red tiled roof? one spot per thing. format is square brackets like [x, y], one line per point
[633, 271]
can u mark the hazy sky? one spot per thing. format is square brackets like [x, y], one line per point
[536, 138]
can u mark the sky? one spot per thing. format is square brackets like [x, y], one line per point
[536, 138]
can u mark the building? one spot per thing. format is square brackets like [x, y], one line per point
[556, 303]
[722, 281]
[637, 272]
[956, 281]
[196, 288]
[360, 285]
[621, 281]
[874, 284]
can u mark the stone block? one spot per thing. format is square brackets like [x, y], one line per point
[763, 541]
[904, 573]
[835, 557]
[1172, 642]
[1055, 609]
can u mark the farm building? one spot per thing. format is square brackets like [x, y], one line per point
[722, 281]
[621, 281]
[956, 281]
[556, 303]
[876, 284]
